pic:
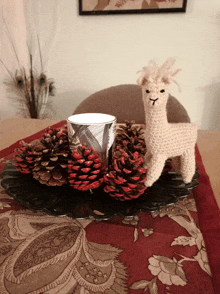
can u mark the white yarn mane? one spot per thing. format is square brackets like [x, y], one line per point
[155, 74]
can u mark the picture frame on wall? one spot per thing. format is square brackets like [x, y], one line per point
[95, 7]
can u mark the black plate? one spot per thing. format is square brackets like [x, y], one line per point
[67, 201]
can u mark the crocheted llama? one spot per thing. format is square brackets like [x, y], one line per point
[164, 140]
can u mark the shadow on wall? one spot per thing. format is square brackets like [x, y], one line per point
[211, 112]
[63, 104]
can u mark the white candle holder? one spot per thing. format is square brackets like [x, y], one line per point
[97, 130]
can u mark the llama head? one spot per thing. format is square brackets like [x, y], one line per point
[154, 81]
[154, 94]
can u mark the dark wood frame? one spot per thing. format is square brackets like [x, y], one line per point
[131, 11]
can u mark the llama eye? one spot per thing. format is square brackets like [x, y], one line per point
[162, 91]
[147, 91]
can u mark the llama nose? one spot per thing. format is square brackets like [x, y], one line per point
[154, 100]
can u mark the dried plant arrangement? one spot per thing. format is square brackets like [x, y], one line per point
[28, 88]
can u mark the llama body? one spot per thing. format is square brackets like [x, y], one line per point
[165, 140]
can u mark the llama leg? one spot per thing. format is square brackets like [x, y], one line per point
[188, 165]
[155, 168]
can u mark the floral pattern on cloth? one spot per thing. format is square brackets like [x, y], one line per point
[44, 254]
[164, 251]
[171, 271]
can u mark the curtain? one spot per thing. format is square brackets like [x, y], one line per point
[13, 49]
[27, 27]
[14, 34]
[42, 18]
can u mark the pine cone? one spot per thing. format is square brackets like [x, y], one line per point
[131, 138]
[26, 156]
[85, 169]
[50, 167]
[126, 176]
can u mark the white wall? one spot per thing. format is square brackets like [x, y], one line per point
[89, 53]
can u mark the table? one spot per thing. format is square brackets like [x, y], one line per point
[174, 250]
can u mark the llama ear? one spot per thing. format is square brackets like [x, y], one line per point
[141, 81]
[166, 80]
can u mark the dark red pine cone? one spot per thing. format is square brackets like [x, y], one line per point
[47, 158]
[26, 155]
[126, 176]
[85, 169]
[131, 138]
[51, 167]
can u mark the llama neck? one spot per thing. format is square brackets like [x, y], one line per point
[156, 119]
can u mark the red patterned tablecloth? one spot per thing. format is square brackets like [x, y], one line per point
[174, 250]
